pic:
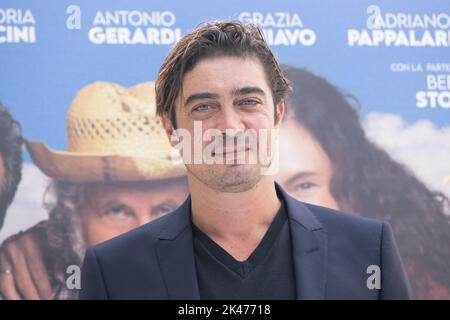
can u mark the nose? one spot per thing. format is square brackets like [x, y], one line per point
[144, 219]
[230, 122]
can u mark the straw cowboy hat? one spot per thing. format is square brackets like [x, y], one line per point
[113, 135]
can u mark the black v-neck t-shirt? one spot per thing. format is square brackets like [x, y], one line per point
[268, 273]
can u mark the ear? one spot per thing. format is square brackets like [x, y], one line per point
[279, 113]
[168, 127]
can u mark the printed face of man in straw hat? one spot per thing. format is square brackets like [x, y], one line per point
[118, 150]
[115, 176]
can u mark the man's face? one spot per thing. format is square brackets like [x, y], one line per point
[228, 93]
[110, 210]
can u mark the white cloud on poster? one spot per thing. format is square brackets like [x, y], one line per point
[421, 146]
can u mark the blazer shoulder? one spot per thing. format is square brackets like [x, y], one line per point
[329, 216]
[126, 266]
[314, 217]
[344, 224]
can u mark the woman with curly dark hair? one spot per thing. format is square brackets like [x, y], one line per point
[326, 159]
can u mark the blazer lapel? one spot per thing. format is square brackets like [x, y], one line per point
[309, 253]
[175, 253]
[309, 246]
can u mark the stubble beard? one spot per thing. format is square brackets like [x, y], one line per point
[229, 178]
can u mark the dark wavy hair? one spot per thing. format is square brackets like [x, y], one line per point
[220, 38]
[11, 153]
[367, 181]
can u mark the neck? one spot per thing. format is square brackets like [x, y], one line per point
[239, 215]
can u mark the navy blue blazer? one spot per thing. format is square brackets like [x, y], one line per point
[332, 251]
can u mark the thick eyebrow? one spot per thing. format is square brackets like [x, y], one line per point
[236, 92]
[301, 175]
[201, 95]
[248, 90]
